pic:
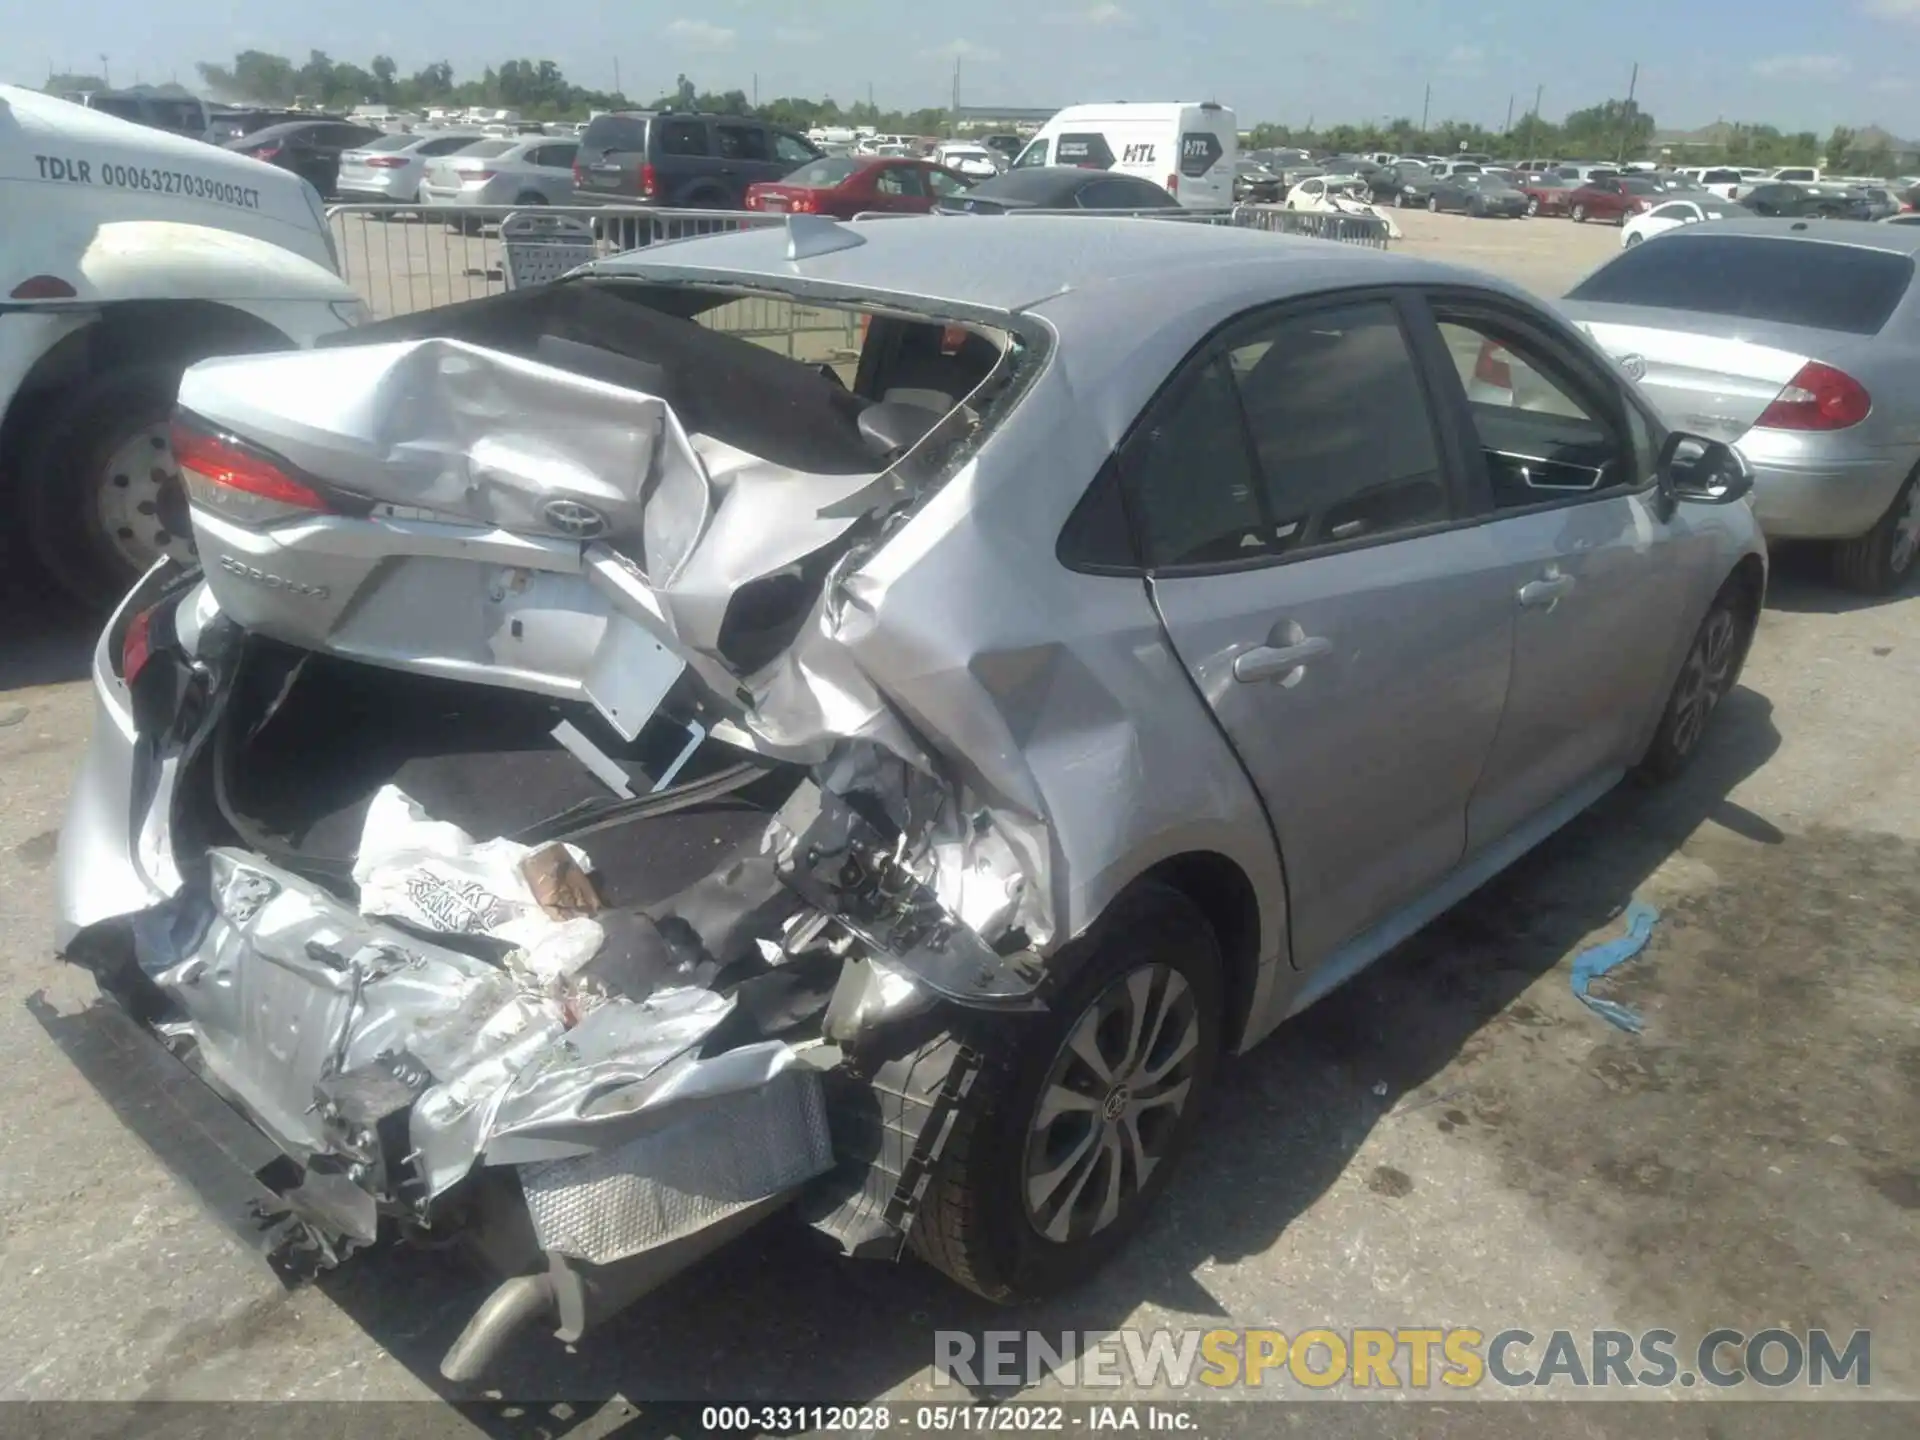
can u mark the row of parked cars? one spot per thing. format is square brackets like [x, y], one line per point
[1583, 192]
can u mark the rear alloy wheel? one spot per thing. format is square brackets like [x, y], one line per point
[1882, 560]
[1433, 204]
[1533, 205]
[1579, 214]
[529, 197]
[104, 498]
[1073, 1126]
[1707, 675]
[1403, 201]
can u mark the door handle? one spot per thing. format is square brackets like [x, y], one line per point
[1277, 662]
[1546, 593]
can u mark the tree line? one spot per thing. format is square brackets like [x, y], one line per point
[1616, 129]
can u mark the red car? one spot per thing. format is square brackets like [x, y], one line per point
[845, 186]
[1616, 198]
[1546, 194]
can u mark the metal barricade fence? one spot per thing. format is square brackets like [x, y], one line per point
[1369, 230]
[405, 258]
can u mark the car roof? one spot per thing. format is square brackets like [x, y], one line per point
[1009, 263]
[1898, 239]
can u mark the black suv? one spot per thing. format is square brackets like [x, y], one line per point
[694, 162]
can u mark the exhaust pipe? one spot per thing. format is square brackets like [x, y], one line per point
[510, 1307]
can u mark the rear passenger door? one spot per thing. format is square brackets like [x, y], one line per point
[682, 154]
[1296, 497]
[1595, 575]
[745, 157]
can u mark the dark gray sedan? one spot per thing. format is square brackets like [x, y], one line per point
[1479, 193]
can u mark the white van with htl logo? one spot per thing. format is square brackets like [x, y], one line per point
[1190, 149]
[127, 254]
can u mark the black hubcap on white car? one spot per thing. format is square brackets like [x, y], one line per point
[1111, 1103]
[1704, 679]
[141, 504]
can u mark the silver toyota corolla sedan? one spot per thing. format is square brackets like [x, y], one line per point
[1800, 340]
[611, 781]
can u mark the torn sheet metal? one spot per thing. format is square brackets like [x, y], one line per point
[639, 551]
[286, 988]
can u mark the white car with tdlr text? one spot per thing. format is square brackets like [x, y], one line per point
[130, 255]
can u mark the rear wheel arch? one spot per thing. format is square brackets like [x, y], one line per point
[1219, 889]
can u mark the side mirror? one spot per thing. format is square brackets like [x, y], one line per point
[1704, 472]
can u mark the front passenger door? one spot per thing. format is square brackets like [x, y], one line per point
[1298, 516]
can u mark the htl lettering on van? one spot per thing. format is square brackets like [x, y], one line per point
[1188, 148]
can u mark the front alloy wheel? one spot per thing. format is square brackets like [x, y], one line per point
[1579, 214]
[1433, 204]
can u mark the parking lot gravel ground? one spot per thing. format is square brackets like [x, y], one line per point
[1451, 1140]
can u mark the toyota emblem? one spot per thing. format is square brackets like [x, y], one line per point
[570, 517]
[1635, 366]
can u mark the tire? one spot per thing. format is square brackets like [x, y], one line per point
[1433, 204]
[90, 526]
[1401, 201]
[1533, 205]
[1881, 561]
[1707, 675]
[529, 197]
[977, 1223]
[1579, 214]
[1633, 240]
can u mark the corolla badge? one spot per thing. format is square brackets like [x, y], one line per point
[570, 517]
[1635, 366]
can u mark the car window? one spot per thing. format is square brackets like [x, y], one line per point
[557, 157]
[1680, 210]
[891, 181]
[1343, 442]
[1191, 476]
[682, 137]
[486, 149]
[791, 150]
[1035, 154]
[823, 174]
[943, 183]
[622, 133]
[441, 145]
[1088, 151]
[125, 107]
[909, 180]
[179, 114]
[741, 142]
[1542, 440]
[1758, 277]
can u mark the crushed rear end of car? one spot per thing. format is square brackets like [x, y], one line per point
[506, 832]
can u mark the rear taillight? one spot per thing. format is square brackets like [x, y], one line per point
[383, 162]
[265, 152]
[579, 173]
[1173, 184]
[649, 182]
[1491, 368]
[476, 177]
[237, 481]
[804, 203]
[136, 646]
[1818, 398]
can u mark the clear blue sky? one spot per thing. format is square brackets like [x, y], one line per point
[1795, 63]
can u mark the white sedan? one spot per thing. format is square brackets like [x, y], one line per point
[1672, 215]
